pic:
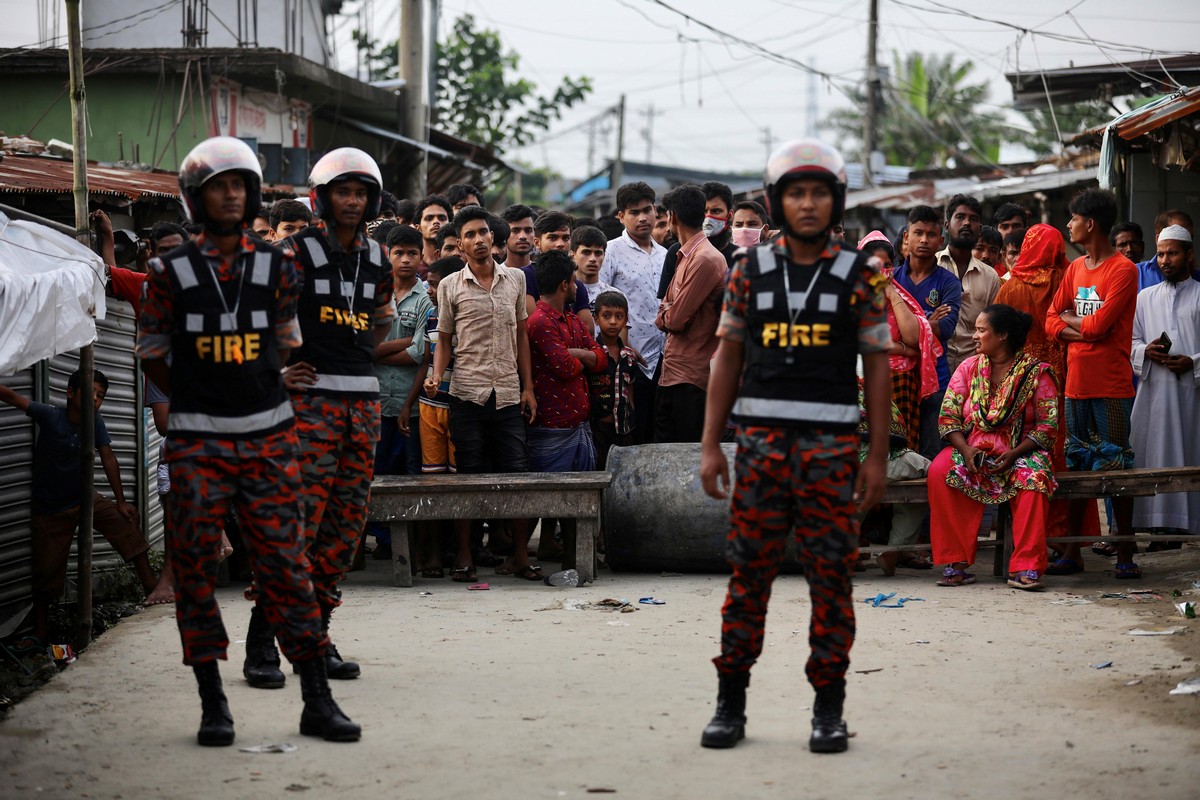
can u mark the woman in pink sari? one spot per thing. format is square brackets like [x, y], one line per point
[1000, 416]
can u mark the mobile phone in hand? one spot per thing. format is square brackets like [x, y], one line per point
[1165, 341]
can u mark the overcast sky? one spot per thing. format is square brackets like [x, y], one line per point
[714, 100]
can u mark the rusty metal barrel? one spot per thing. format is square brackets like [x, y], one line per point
[657, 518]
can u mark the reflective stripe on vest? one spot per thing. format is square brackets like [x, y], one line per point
[798, 410]
[207, 423]
[345, 383]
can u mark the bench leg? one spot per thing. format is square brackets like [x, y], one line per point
[401, 560]
[585, 548]
[1003, 549]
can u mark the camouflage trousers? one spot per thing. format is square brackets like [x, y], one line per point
[784, 480]
[337, 461]
[259, 479]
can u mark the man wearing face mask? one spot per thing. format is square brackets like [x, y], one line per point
[718, 200]
[750, 224]
[980, 283]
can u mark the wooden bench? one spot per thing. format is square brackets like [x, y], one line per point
[400, 500]
[1071, 486]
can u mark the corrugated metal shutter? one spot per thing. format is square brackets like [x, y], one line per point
[151, 509]
[123, 416]
[16, 489]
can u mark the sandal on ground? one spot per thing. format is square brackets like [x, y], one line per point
[432, 571]
[1128, 571]
[1104, 549]
[1064, 566]
[529, 572]
[914, 561]
[956, 577]
[1162, 547]
[464, 575]
[1025, 579]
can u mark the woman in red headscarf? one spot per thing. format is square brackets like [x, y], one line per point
[1030, 288]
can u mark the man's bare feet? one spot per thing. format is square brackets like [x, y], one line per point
[163, 591]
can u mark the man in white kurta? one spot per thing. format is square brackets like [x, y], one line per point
[1165, 424]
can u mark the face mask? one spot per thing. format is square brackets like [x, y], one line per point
[713, 226]
[746, 237]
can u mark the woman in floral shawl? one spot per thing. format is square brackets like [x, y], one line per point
[1030, 288]
[1000, 416]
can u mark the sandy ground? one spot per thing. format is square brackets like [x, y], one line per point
[480, 694]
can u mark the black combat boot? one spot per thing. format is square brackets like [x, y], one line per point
[321, 715]
[829, 729]
[728, 725]
[335, 668]
[216, 723]
[261, 667]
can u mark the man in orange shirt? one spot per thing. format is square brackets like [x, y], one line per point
[1092, 312]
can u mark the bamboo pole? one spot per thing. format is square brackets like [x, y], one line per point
[87, 417]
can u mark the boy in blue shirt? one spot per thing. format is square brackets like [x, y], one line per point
[939, 292]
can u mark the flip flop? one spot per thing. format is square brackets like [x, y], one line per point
[1128, 571]
[956, 577]
[463, 575]
[652, 601]
[529, 572]
[1026, 579]
[479, 587]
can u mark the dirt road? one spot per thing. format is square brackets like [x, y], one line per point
[980, 692]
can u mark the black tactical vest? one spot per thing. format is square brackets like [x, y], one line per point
[225, 379]
[800, 362]
[336, 313]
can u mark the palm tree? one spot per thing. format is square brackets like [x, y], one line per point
[930, 117]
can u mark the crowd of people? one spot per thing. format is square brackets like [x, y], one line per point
[297, 351]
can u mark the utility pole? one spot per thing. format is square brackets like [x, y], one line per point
[768, 141]
[87, 364]
[871, 118]
[413, 110]
[618, 168]
[810, 111]
[648, 132]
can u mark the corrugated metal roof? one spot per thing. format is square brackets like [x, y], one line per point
[1149, 117]
[939, 191]
[27, 174]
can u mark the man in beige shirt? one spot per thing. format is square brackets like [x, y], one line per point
[688, 314]
[483, 308]
[980, 283]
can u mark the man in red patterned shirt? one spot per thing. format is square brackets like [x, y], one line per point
[560, 348]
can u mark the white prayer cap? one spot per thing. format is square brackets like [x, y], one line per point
[1175, 233]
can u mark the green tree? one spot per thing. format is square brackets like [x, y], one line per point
[930, 115]
[479, 97]
[1072, 119]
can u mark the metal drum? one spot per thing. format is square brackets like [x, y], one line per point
[656, 516]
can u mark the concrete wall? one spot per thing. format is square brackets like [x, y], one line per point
[294, 26]
[1153, 190]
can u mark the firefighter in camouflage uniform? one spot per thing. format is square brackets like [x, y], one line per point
[223, 310]
[345, 309]
[798, 311]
